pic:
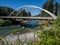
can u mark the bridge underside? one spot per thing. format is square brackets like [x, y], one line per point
[34, 18]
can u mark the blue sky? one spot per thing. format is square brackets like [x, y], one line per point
[17, 3]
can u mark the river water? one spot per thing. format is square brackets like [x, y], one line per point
[7, 29]
[31, 24]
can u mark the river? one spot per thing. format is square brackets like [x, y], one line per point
[7, 29]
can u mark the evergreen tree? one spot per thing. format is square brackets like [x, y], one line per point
[56, 9]
[3, 12]
[24, 13]
[51, 7]
[59, 9]
[29, 13]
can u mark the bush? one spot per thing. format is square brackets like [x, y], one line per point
[5, 22]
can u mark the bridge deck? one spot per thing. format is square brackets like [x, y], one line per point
[35, 18]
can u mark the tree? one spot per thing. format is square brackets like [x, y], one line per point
[48, 5]
[5, 11]
[24, 13]
[29, 13]
[51, 7]
[56, 8]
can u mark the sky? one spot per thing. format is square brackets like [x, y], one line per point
[18, 3]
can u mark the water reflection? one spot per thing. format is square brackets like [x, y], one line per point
[31, 24]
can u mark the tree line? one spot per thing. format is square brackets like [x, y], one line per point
[6, 11]
[51, 6]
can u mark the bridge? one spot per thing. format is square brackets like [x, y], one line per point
[35, 18]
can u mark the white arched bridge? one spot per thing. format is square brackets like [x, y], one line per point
[30, 6]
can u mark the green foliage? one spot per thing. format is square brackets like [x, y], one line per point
[4, 22]
[24, 13]
[57, 21]
[5, 11]
[58, 8]
[2, 41]
[1, 21]
[51, 36]
[50, 5]
[18, 42]
[16, 30]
